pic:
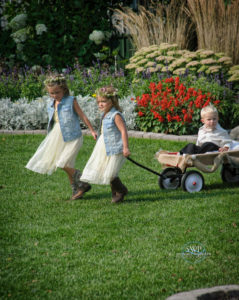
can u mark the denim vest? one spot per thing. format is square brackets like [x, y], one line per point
[112, 135]
[68, 119]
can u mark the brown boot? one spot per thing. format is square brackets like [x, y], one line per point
[76, 184]
[118, 190]
[85, 187]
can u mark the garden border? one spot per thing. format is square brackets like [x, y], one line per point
[131, 133]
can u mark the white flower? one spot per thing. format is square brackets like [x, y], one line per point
[179, 71]
[97, 37]
[208, 61]
[20, 47]
[40, 28]
[130, 66]
[18, 22]
[142, 62]
[107, 35]
[19, 36]
[150, 64]
[193, 64]
[4, 22]
[139, 69]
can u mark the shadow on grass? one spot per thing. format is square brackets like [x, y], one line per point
[222, 185]
[153, 195]
[160, 195]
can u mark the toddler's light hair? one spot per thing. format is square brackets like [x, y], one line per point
[208, 109]
[57, 80]
[110, 93]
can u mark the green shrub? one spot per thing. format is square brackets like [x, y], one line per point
[84, 81]
[53, 32]
[31, 87]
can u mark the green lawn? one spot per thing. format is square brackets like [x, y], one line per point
[52, 248]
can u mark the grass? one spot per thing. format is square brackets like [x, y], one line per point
[52, 248]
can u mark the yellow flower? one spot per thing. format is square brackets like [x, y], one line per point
[94, 95]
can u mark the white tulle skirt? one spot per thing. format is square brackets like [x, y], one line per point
[100, 168]
[54, 153]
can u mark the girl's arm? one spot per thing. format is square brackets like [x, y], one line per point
[122, 128]
[84, 118]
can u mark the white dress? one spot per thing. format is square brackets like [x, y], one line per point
[100, 168]
[53, 152]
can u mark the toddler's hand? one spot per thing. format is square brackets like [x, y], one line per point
[223, 149]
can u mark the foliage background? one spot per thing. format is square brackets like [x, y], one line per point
[68, 23]
[64, 45]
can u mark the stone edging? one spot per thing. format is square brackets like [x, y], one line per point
[131, 133]
[216, 292]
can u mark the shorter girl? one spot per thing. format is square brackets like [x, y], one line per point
[64, 139]
[111, 148]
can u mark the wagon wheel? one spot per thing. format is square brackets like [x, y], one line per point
[192, 181]
[229, 174]
[170, 178]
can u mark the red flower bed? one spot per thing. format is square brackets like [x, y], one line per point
[171, 107]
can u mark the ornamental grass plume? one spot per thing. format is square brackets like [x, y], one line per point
[160, 23]
[170, 107]
[216, 25]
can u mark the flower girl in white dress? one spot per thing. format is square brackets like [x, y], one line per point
[111, 148]
[64, 139]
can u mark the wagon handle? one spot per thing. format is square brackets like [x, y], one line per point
[146, 168]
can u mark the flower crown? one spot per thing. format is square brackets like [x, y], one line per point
[107, 92]
[55, 79]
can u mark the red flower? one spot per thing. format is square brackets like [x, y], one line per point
[160, 118]
[152, 86]
[140, 113]
[159, 86]
[184, 111]
[206, 103]
[169, 80]
[176, 102]
[195, 93]
[177, 118]
[187, 118]
[216, 102]
[169, 117]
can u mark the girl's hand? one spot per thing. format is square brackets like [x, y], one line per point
[94, 134]
[126, 152]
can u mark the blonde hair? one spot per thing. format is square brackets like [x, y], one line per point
[208, 109]
[110, 93]
[57, 80]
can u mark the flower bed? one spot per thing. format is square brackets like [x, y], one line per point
[171, 107]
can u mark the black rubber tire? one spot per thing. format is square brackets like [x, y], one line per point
[229, 174]
[170, 183]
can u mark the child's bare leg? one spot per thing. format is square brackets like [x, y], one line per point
[70, 172]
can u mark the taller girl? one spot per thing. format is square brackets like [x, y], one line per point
[64, 139]
[111, 148]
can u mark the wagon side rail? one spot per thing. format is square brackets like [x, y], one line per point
[207, 163]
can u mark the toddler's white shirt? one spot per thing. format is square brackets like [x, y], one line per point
[218, 136]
